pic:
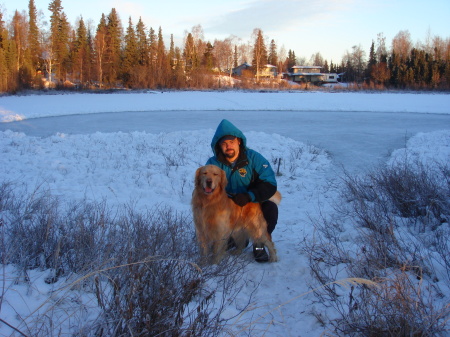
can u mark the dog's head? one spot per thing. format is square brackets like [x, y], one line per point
[210, 178]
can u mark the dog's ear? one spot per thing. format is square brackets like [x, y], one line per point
[197, 175]
[223, 180]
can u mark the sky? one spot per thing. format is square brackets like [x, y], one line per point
[331, 27]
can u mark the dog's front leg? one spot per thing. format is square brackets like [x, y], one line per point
[202, 239]
[219, 250]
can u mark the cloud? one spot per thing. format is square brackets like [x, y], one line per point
[139, 9]
[276, 15]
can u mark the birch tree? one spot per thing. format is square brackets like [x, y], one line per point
[100, 48]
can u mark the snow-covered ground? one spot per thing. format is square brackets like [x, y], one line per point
[159, 169]
[13, 108]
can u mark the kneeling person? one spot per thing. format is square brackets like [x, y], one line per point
[250, 176]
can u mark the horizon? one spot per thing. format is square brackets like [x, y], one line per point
[326, 26]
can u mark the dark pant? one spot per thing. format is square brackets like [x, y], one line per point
[270, 212]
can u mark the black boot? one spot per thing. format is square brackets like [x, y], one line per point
[231, 243]
[260, 253]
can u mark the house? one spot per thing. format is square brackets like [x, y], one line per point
[268, 71]
[310, 74]
[237, 71]
[331, 78]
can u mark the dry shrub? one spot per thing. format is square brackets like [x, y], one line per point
[399, 306]
[142, 266]
[391, 227]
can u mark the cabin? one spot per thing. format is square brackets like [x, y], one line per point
[237, 71]
[310, 74]
[268, 71]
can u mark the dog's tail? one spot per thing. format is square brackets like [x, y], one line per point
[276, 198]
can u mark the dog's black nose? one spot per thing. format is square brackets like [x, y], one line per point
[209, 182]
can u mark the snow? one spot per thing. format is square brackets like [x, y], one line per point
[159, 168]
[32, 106]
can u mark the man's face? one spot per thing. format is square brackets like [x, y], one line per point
[230, 148]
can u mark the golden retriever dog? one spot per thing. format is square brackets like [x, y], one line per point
[217, 217]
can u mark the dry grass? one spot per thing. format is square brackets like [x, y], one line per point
[395, 224]
[140, 270]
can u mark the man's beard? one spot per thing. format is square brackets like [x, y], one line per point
[230, 153]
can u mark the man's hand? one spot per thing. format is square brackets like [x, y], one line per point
[242, 199]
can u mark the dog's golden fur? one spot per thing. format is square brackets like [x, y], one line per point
[217, 217]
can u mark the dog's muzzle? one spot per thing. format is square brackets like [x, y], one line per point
[208, 189]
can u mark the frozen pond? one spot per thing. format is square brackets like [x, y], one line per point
[355, 140]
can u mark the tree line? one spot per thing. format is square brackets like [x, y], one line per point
[109, 56]
[420, 66]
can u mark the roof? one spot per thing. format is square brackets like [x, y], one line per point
[306, 74]
[306, 67]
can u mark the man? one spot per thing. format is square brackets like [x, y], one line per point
[250, 176]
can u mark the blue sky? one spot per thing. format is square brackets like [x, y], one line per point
[330, 27]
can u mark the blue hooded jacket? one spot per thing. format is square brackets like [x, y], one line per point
[251, 173]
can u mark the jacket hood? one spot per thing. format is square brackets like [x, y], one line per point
[226, 128]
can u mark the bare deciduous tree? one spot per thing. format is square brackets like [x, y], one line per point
[223, 53]
[317, 60]
[401, 44]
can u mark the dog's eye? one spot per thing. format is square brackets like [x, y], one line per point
[216, 174]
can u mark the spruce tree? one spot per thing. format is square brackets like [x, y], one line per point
[273, 56]
[325, 69]
[4, 71]
[141, 70]
[130, 55]
[153, 46]
[11, 57]
[59, 40]
[3, 32]
[100, 49]
[162, 64]
[208, 61]
[81, 53]
[259, 53]
[291, 60]
[178, 75]
[33, 36]
[142, 44]
[189, 53]
[371, 65]
[172, 52]
[89, 58]
[113, 48]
